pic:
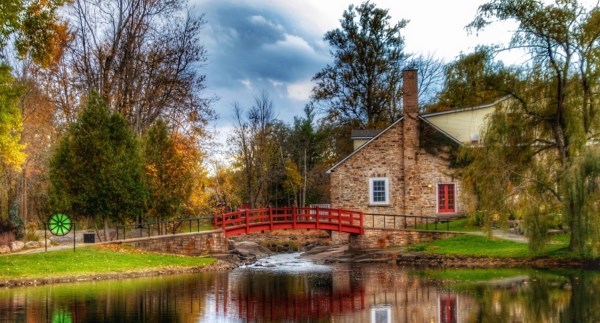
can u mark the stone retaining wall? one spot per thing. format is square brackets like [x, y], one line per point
[189, 244]
[382, 238]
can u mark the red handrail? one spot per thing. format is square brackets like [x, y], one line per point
[247, 221]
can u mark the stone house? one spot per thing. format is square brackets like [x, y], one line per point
[407, 167]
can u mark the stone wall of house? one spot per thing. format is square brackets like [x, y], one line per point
[189, 244]
[383, 238]
[381, 158]
[411, 192]
[413, 173]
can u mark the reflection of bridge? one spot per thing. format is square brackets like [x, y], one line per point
[257, 220]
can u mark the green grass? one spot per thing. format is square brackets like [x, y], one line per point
[89, 261]
[482, 246]
[478, 246]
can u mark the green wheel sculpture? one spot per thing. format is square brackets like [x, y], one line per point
[59, 224]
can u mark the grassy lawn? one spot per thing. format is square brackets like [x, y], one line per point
[89, 261]
[481, 246]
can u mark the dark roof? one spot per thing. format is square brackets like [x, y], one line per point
[365, 134]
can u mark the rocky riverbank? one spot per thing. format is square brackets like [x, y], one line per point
[341, 254]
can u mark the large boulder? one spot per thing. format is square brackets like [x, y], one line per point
[247, 249]
[4, 249]
[16, 245]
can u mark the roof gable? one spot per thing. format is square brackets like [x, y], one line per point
[434, 121]
[364, 145]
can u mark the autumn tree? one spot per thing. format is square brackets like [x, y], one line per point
[12, 153]
[171, 164]
[143, 57]
[254, 149]
[545, 133]
[361, 88]
[96, 170]
[224, 190]
[35, 27]
[28, 30]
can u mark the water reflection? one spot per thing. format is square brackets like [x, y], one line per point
[265, 293]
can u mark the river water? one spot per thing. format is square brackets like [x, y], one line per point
[286, 288]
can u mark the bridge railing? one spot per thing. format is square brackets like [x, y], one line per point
[294, 215]
[407, 222]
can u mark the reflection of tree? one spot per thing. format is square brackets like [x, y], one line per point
[140, 300]
[539, 299]
[584, 304]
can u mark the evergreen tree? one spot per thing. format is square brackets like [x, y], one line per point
[168, 172]
[362, 86]
[96, 169]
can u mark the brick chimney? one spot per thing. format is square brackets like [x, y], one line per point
[410, 92]
[410, 136]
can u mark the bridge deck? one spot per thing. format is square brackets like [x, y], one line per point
[268, 219]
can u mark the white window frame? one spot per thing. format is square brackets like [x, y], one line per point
[387, 191]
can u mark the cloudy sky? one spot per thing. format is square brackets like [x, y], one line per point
[277, 45]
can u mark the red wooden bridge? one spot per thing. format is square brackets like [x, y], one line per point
[255, 220]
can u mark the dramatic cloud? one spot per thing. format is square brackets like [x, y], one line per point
[254, 46]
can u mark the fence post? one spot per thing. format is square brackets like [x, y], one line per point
[317, 217]
[339, 219]
[247, 221]
[271, 217]
[362, 228]
[223, 221]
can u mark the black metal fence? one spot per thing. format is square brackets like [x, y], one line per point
[406, 222]
[149, 229]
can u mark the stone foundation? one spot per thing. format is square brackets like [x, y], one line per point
[382, 238]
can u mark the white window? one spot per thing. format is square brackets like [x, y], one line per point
[379, 192]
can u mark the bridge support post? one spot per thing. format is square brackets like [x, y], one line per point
[362, 227]
[271, 217]
[247, 222]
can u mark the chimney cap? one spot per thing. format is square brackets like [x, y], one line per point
[409, 69]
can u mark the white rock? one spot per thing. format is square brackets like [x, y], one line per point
[33, 244]
[16, 245]
[4, 249]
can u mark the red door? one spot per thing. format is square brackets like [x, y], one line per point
[446, 198]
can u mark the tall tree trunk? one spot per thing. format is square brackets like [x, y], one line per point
[106, 228]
